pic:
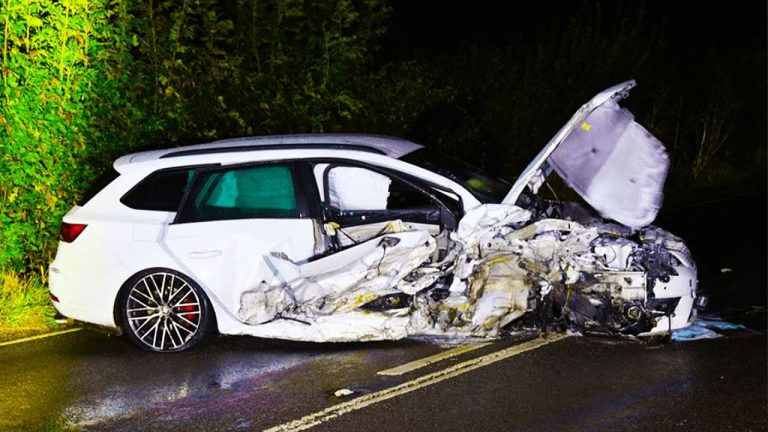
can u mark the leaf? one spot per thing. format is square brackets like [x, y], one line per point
[34, 21]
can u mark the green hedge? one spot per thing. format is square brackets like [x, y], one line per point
[59, 66]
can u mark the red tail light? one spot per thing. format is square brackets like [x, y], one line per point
[69, 232]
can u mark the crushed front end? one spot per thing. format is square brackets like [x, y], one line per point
[597, 278]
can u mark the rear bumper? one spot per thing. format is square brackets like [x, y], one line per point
[85, 287]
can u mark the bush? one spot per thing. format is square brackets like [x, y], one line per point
[24, 301]
[61, 86]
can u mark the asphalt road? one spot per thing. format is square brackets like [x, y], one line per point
[89, 381]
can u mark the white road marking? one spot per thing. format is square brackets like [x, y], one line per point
[332, 412]
[42, 336]
[426, 361]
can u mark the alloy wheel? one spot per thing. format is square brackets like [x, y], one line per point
[164, 312]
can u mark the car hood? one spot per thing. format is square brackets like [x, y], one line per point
[611, 161]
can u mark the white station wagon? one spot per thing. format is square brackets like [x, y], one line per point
[341, 237]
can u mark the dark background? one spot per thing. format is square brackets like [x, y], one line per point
[520, 70]
[489, 82]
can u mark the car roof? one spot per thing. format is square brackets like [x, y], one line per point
[385, 145]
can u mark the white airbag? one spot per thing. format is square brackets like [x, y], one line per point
[351, 188]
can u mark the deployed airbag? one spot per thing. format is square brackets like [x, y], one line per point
[615, 164]
[351, 188]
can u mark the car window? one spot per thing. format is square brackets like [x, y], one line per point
[97, 186]
[355, 188]
[242, 193]
[319, 171]
[162, 190]
[403, 197]
[484, 187]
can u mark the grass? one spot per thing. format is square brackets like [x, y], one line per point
[24, 302]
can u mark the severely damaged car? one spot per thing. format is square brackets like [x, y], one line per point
[334, 237]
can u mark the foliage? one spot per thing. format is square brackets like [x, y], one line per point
[25, 301]
[217, 69]
[56, 73]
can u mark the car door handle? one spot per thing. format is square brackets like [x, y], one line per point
[205, 254]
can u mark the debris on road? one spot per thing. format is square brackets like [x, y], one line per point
[343, 392]
[705, 329]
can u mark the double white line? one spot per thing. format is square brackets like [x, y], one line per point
[332, 412]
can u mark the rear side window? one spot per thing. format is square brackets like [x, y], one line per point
[242, 193]
[161, 190]
[108, 177]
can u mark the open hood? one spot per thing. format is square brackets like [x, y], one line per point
[611, 161]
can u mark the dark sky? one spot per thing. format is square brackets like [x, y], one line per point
[439, 26]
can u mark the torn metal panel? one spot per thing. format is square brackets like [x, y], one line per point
[558, 271]
[498, 293]
[504, 266]
[341, 282]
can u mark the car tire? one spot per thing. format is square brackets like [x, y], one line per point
[162, 310]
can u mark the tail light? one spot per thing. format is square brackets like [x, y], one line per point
[69, 232]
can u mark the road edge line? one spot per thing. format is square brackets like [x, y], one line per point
[41, 336]
[334, 411]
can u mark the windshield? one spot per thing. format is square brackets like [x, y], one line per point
[485, 188]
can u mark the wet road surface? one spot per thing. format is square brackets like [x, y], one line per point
[588, 384]
[89, 381]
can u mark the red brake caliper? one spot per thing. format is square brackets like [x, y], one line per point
[189, 316]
